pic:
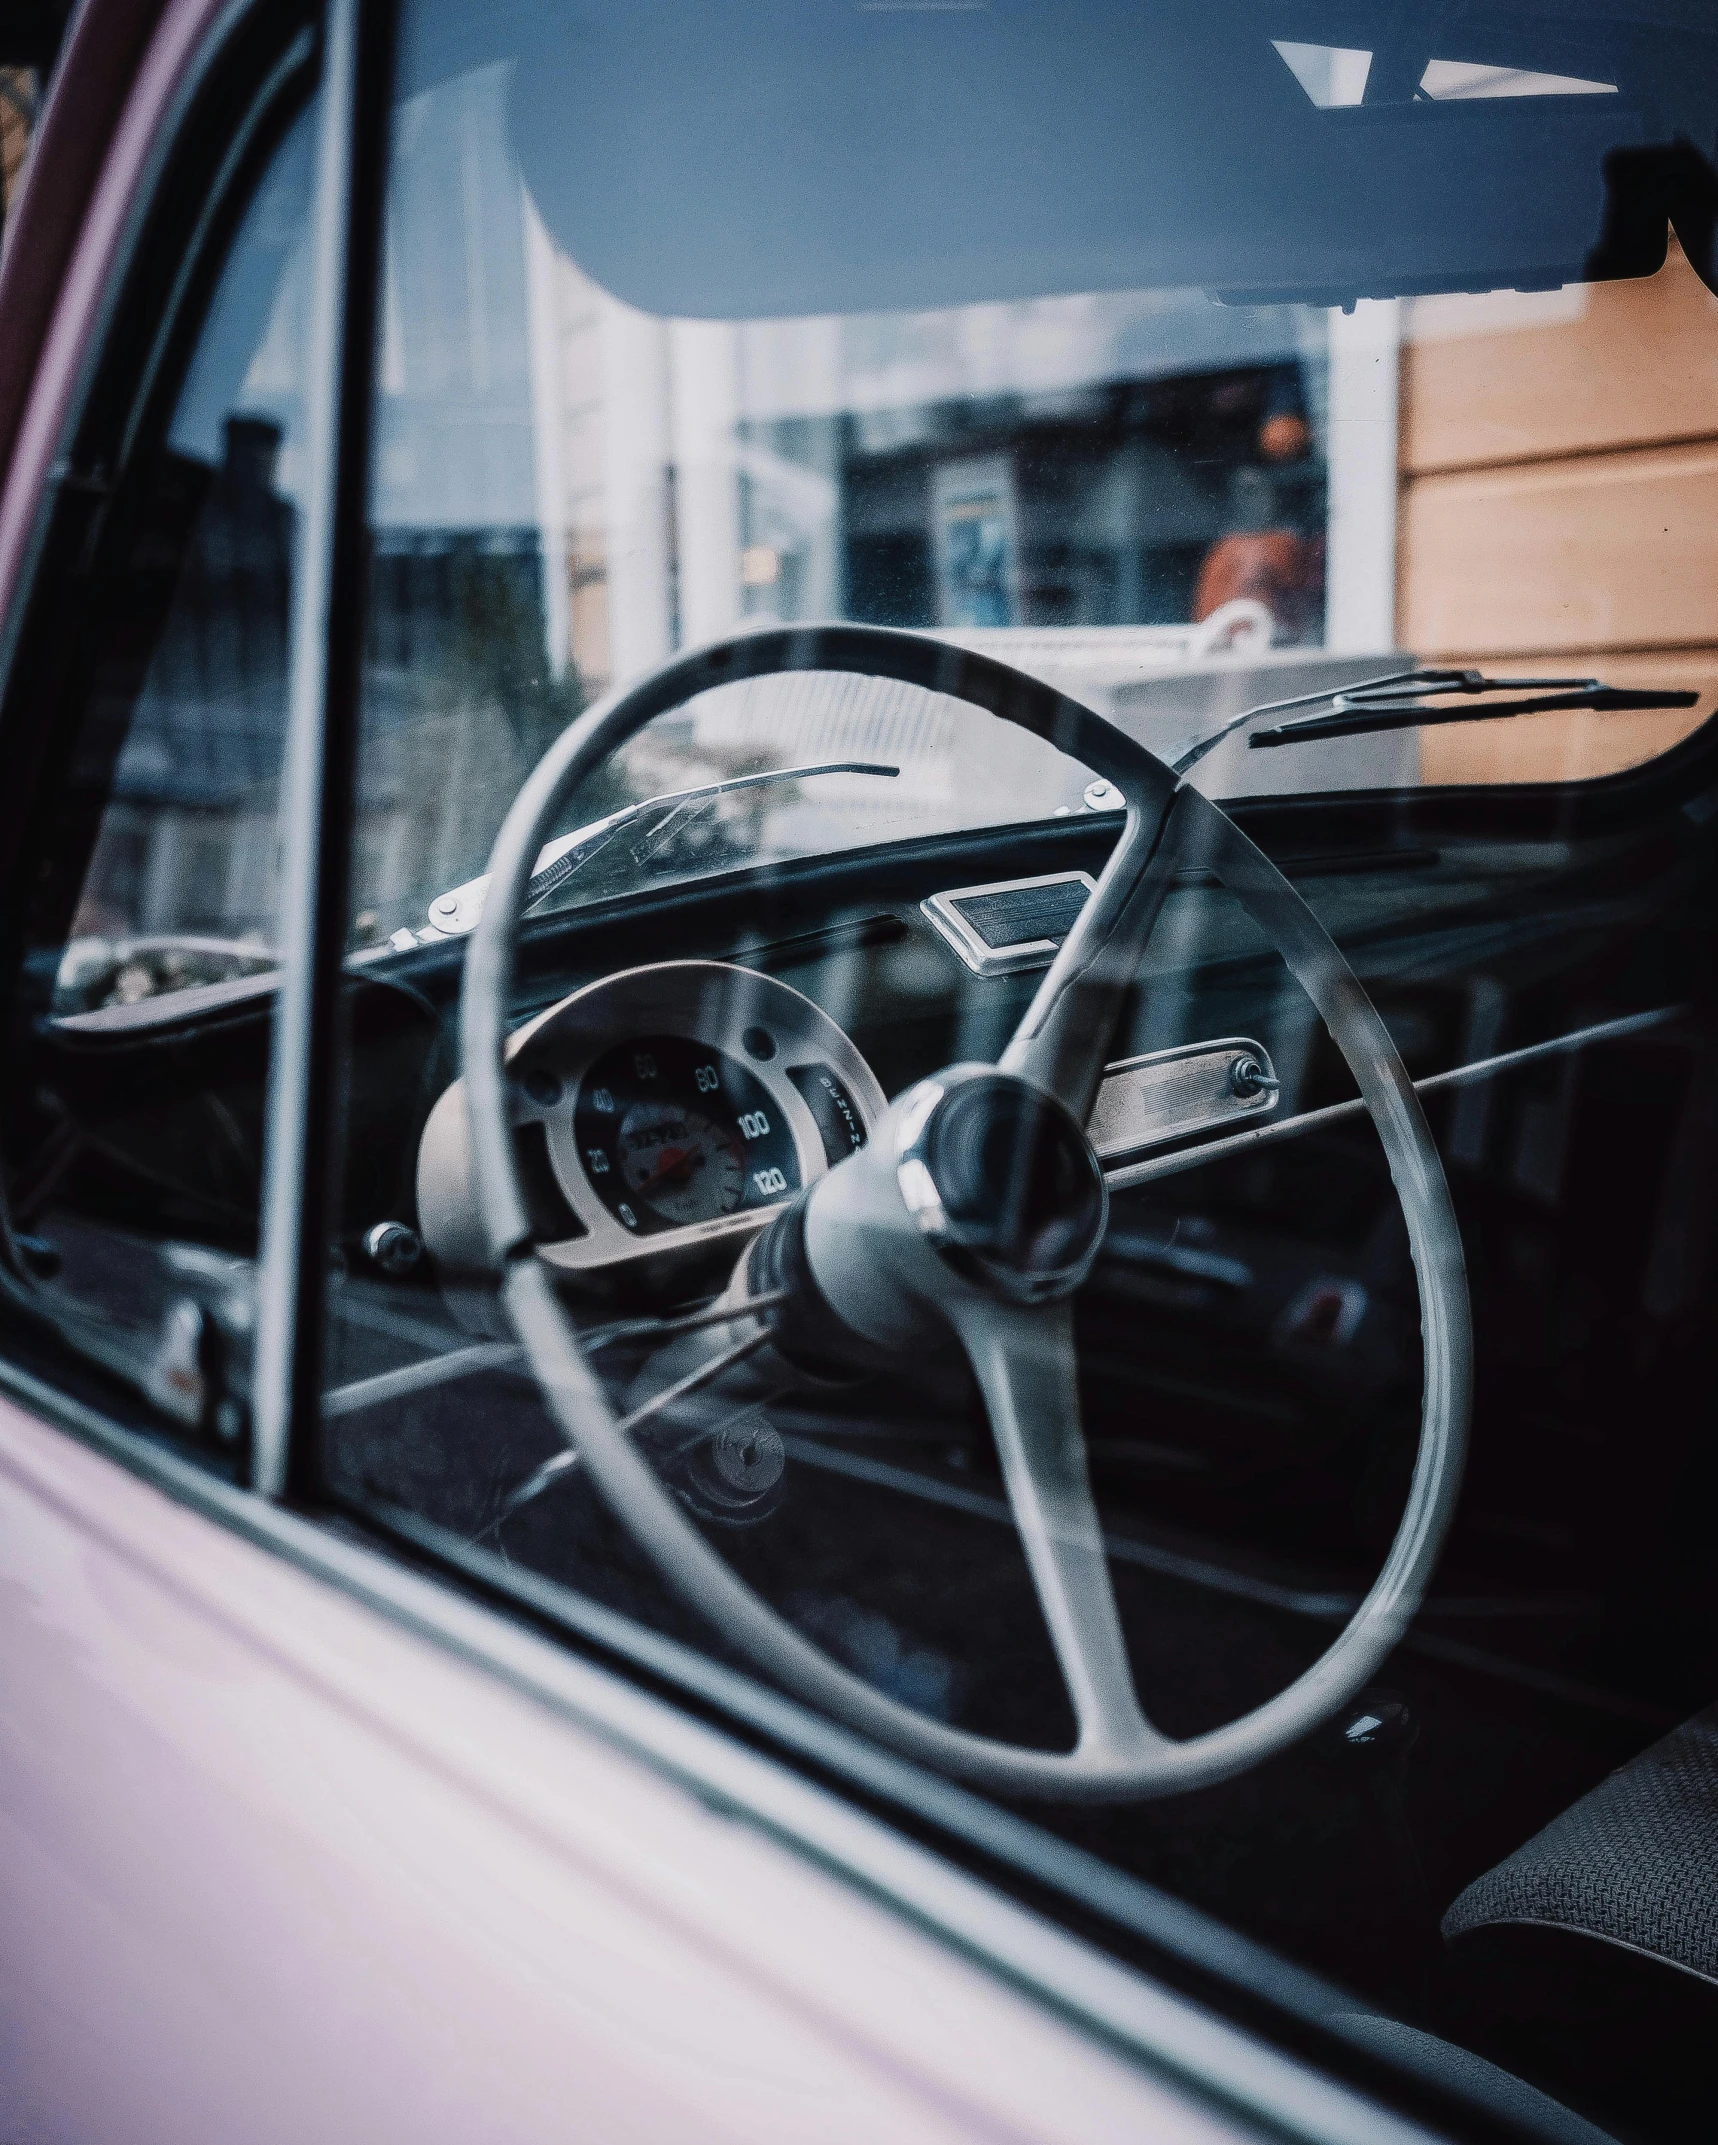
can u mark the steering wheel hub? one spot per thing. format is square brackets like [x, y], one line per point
[1002, 1180]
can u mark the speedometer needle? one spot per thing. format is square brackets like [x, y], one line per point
[670, 1165]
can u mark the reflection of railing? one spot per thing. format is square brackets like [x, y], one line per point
[1092, 663]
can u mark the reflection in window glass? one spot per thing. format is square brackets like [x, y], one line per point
[568, 490]
[182, 887]
[133, 1143]
[1171, 509]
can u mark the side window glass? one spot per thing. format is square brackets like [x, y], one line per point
[180, 890]
[143, 1006]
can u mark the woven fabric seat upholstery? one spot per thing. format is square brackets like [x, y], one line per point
[1635, 1862]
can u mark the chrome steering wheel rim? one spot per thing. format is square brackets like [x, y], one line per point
[1028, 1387]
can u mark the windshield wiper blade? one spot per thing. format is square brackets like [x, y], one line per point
[1409, 700]
[456, 912]
[1398, 702]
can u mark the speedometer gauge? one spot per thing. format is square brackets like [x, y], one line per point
[672, 1132]
[661, 1110]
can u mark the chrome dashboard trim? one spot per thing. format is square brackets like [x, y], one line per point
[942, 912]
[1151, 1167]
[1167, 1094]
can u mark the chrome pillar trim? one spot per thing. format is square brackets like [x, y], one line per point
[329, 592]
[286, 1152]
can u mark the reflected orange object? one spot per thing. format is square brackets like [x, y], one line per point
[1276, 567]
[1284, 437]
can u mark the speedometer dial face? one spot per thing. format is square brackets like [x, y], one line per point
[671, 1132]
[678, 1163]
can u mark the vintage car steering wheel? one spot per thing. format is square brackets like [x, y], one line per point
[979, 1203]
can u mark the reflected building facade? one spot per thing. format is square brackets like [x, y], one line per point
[566, 491]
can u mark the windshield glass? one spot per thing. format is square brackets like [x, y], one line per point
[1170, 502]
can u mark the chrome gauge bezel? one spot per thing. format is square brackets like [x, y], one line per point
[712, 1004]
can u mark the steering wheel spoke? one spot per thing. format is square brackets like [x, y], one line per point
[1025, 1365]
[1062, 1042]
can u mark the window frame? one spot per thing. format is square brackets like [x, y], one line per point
[304, 1115]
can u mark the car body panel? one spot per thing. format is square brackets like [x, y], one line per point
[123, 68]
[277, 1867]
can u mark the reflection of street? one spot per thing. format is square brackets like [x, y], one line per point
[181, 888]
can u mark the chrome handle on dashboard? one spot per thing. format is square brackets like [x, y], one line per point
[1171, 1094]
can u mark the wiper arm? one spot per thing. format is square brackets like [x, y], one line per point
[1399, 702]
[454, 913]
[1410, 700]
[1213, 738]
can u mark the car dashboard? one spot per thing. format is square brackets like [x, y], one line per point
[690, 1056]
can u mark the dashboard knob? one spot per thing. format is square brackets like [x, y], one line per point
[393, 1247]
[735, 1477]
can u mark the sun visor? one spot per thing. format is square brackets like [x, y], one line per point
[758, 158]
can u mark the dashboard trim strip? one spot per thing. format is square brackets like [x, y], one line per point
[1129, 1174]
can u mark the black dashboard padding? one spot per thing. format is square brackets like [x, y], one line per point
[1633, 1863]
